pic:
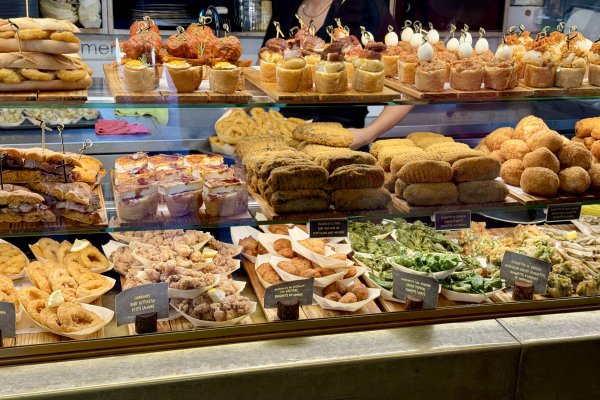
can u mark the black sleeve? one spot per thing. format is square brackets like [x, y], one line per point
[374, 15]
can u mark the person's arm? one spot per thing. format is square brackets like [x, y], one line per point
[385, 121]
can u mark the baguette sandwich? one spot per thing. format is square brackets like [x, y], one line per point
[44, 35]
[37, 71]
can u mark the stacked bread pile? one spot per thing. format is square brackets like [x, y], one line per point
[183, 183]
[40, 184]
[324, 172]
[541, 161]
[40, 54]
[429, 169]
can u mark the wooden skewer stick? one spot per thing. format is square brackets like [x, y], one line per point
[86, 145]
[44, 129]
[60, 128]
[27, 8]
[3, 156]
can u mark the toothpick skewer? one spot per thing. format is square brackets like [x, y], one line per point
[60, 128]
[44, 129]
[3, 156]
[86, 145]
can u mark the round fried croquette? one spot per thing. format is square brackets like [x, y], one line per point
[573, 155]
[528, 126]
[511, 171]
[507, 130]
[514, 149]
[401, 159]
[595, 149]
[588, 142]
[549, 139]
[475, 169]
[481, 146]
[594, 173]
[578, 140]
[495, 139]
[539, 181]
[426, 171]
[574, 180]
[497, 155]
[542, 157]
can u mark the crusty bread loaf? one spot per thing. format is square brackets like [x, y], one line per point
[44, 24]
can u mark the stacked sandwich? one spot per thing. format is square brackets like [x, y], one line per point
[40, 54]
[428, 169]
[323, 172]
[65, 182]
[183, 183]
[541, 161]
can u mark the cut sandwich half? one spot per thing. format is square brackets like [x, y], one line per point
[44, 35]
[19, 204]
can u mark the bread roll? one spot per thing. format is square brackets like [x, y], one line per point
[330, 77]
[369, 75]
[293, 75]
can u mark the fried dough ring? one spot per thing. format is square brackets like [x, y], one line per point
[32, 34]
[92, 258]
[37, 276]
[74, 317]
[10, 76]
[36, 75]
[71, 75]
[34, 308]
[64, 37]
[28, 294]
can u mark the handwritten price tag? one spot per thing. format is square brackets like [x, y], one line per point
[295, 290]
[141, 300]
[518, 267]
[425, 288]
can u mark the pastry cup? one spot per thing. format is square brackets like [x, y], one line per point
[331, 82]
[185, 80]
[430, 81]
[293, 80]
[468, 79]
[569, 77]
[594, 75]
[368, 82]
[500, 78]
[141, 79]
[390, 65]
[224, 81]
[539, 77]
[406, 71]
[349, 70]
[267, 71]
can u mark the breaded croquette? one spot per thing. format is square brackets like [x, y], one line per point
[426, 139]
[585, 126]
[511, 171]
[380, 144]
[401, 159]
[549, 139]
[542, 157]
[426, 171]
[514, 149]
[431, 194]
[475, 169]
[574, 180]
[572, 155]
[539, 181]
[384, 159]
[361, 199]
[482, 191]
[325, 133]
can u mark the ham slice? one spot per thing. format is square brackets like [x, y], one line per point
[119, 127]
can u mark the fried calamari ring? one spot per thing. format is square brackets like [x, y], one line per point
[71, 75]
[63, 250]
[28, 294]
[93, 285]
[7, 291]
[75, 269]
[50, 320]
[55, 274]
[34, 308]
[37, 276]
[92, 258]
[64, 37]
[36, 75]
[46, 248]
[7, 35]
[32, 34]
[74, 317]
[10, 76]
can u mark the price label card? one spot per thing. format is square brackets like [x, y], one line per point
[294, 290]
[8, 319]
[327, 228]
[563, 212]
[452, 220]
[425, 288]
[518, 267]
[141, 300]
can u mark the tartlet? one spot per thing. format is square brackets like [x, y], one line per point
[430, 76]
[571, 69]
[224, 78]
[184, 77]
[466, 74]
[140, 77]
[594, 70]
[293, 75]
[500, 74]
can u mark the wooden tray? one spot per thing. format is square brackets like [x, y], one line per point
[530, 200]
[306, 312]
[403, 206]
[163, 95]
[73, 97]
[583, 91]
[61, 223]
[311, 96]
[270, 213]
[450, 94]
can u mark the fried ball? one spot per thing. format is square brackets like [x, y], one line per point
[578, 140]
[10, 76]
[360, 291]
[595, 149]
[310, 273]
[399, 188]
[588, 141]
[594, 172]
[64, 37]
[402, 159]
[489, 191]
[539, 181]
[288, 267]
[574, 180]
[585, 126]
[475, 169]
[335, 296]
[549, 139]
[431, 194]
[542, 157]
[596, 132]
[426, 172]
[286, 252]
[481, 146]
[498, 156]
[349, 298]
[514, 149]
[282, 244]
[71, 75]
[495, 139]
[572, 155]
[511, 172]
[336, 286]
[37, 75]
[528, 126]
[507, 130]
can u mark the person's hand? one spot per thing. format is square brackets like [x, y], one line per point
[362, 137]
